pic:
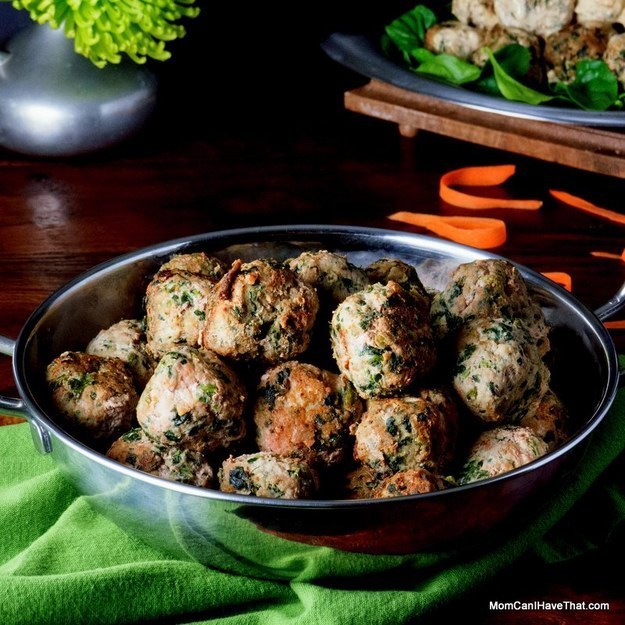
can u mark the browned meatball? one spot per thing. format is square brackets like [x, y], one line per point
[382, 340]
[361, 482]
[410, 482]
[95, 395]
[542, 17]
[194, 401]
[453, 38]
[480, 13]
[306, 412]
[598, 12]
[499, 37]
[550, 421]
[260, 311]
[135, 449]
[402, 433]
[196, 262]
[265, 474]
[614, 56]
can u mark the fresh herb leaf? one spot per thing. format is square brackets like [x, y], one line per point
[595, 87]
[447, 67]
[407, 32]
[513, 59]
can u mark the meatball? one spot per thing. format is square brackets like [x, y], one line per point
[361, 482]
[260, 311]
[381, 340]
[500, 37]
[499, 373]
[410, 482]
[387, 269]
[135, 449]
[95, 395]
[487, 289]
[543, 17]
[598, 12]
[549, 422]
[194, 401]
[480, 13]
[305, 412]
[453, 38]
[196, 262]
[268, 475]
[126, 340]
[175, 307]
[614, 56]
[500, 450]
[402, 433]
[565, 49]
[331, 274]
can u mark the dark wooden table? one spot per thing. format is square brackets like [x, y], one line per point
[277, 153]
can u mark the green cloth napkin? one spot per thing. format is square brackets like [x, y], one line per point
[61, 562]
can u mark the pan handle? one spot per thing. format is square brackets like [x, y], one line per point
[15, 407]
[612, 306]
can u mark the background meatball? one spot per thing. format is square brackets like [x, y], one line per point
[487, 289]
[614, 56]
[453, 38]
[196, 262]
[260, 311]
[331, 274]
[387, 269]
[361, 482]
[267, 475]
[175, 308]
[398, 434]
[550, 421]
[381, 340]
[306, 412]
[410, 482]
[480, 13]
[598, 12]
[500, 37]
[499, 373]
[565, 49]
[126, 340]
[542, 17]
[135, 449]
[93, 394]
[500, 450]
[194, 401]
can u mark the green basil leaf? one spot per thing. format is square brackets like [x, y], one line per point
[514, 59]
[595, 87]
[407, 32]
[449, 68]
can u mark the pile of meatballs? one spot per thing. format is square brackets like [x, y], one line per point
[559, 33]
[314, 378]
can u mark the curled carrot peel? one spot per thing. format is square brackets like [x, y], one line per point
[481, 177]
[588, 207]
[609, 255]
[480, 232]
[615, 325]
[560, 277]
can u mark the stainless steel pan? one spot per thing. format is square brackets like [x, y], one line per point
[237, 533]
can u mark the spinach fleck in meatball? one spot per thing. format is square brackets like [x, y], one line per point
[196, 262]
[542, 17]
[305, 412]
[550, 421]
[193, 400]
[175, 308]
[135, 449]
[410, 482]
[382, 340]
[453, 38]
[398, 434]
[499, 373]
[95, 395]
[262, 311]
[500, 450]
[268, 475]
[331, 274]
[488, 289]
[126, 340]
[387, 269]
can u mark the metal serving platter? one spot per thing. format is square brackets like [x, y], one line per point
[362, 53]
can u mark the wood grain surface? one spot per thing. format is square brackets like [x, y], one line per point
[278, 149]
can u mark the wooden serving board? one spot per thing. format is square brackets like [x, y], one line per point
[591, 149]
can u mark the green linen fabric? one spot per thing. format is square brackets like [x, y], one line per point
[62, 562]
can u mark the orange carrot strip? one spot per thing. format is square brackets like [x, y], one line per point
[615, 325]
[578, 202]
[481, 177]
[609, 255]
[480, 232]
[560, 277]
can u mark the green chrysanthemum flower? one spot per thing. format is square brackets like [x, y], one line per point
[103, 30]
